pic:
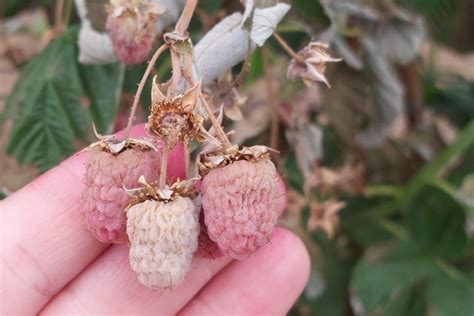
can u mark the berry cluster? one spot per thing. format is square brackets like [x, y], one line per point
[128, 197]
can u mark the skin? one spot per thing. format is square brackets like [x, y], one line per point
[51, 265]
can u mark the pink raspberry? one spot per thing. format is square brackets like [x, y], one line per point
[240, 206]
[207, 248]
[104, 198]
[131, 26]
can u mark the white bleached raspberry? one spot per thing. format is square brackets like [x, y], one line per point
[163, 237]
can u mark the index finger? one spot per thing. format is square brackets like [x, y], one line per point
[44, 239]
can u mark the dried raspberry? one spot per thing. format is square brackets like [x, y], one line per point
[163, 237]
[104, 198]
[240, 206]
[131, 26]
[207, 248]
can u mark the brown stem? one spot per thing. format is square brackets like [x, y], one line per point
[220, 132]
[287, 47]
[185, 18]
[58, 13]
[240, 77]
[133, 110]
[176, 73]
[164, 164]
[272, 97]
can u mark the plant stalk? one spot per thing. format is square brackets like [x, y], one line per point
[133, 110]
[58, 15]
[287, 48]
[164, 164]
[183, 22]
[220, 132]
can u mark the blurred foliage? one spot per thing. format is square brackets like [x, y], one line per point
[47, 106]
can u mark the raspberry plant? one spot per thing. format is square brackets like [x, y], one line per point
[376, 166]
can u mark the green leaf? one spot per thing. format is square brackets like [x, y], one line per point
[255, 66]
[436, 221]
[292, 174]
[311, 10]
[334, 268]
[376, 284]
[449, 296]
[47, 105]
[49, 115]
[409, 301]
[103, 85]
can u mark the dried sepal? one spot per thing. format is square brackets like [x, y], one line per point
[112, 144]
[173, 120]
[325, 216]
[151, 191]
[223, 157]
[311, 64]
[223, 95]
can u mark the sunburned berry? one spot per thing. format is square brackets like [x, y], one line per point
[104, 198]
[163, 237]
[239, 201]
[132, 29]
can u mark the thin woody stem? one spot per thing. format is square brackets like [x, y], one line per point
[185, 18]
[176, 73]
[220, 132]
[133, 110]
[58, 13]
[164, 164]
[287, 47]
[272, 97]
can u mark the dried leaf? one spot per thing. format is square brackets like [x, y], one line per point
[265, 21]
[224, 95]
[294, 203]
[228, 42]
[446, 131]
[348, 179]
[388, 97]
[445, 60]
[312, 64]
[396, 33]
[223, 47]
[308, 146]
[325, 216]
[256, 113]
[95, 47]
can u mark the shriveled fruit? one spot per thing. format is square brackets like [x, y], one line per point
[163, 237]
[132, 29]
[240, 205]
[207, 248]
[104, 198]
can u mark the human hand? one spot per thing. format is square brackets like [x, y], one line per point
[52, 265]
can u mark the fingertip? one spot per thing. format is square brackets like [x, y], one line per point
[266, 283]
[289, 244]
